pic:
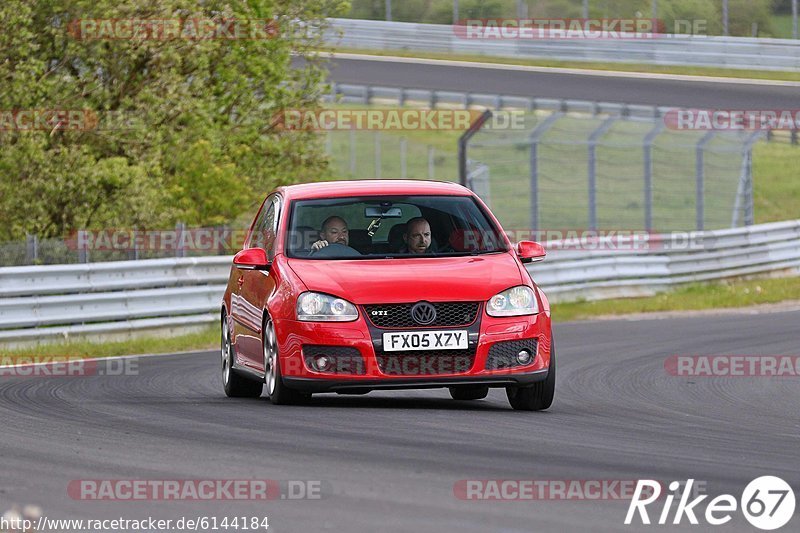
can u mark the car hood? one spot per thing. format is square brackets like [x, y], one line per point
[367, 281]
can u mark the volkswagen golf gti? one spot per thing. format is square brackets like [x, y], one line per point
[353, 286]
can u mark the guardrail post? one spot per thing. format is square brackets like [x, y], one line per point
[31, 248]
[648, 174]
[700, 185]
[592, 170]
[534, 139]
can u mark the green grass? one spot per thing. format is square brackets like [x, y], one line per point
[590, 65]
[206, 339]
[776, 184]
[698, 296]
[782, 26]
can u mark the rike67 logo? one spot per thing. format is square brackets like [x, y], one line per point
[767, 502]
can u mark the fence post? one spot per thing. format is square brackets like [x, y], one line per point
[534, 139]
[352, 152]
[403, 153]
[31, 248]
[431, 161]
[648, 174]
[377, 155]
[83, 251]
[725, 17]
[180, 243]
[700, 181]
[463, 142]
[592, 170]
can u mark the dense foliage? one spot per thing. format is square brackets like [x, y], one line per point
[178, 128]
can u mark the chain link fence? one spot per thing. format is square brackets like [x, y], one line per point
[90, 246]
[573, 164]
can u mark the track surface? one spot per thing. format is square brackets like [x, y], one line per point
[376, 71]
[388, 461]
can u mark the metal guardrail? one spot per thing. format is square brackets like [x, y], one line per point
[45, 303]
[372, 94]
[666, 49]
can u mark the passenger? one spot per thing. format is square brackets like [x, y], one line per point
[417, 237]
[334, 231]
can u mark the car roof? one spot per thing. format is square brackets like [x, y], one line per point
[387, 187]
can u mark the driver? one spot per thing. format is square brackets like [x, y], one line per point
[334, 231]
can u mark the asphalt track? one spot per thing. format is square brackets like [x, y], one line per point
[618, 88]
[388, 461]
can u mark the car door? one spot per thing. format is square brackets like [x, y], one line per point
[255, 286]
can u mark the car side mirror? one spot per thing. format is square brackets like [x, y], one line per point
[251, 259]
[530, 252]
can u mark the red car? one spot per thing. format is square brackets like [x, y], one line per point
[354, 286]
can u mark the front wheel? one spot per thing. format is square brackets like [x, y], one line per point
[279, 394]
[235, 385]
[538, 396]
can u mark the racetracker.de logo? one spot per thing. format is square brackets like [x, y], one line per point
[732, 119]
[545, 489]
[710, 366]
[193, 489]
[557, 28]
[189, 29]
[393, 119]
[49, 366]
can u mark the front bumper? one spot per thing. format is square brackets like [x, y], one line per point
[365, 338]
[332, 384]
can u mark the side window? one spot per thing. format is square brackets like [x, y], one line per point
[264, 231]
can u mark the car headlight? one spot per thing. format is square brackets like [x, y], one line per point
[515, 301]
[318, 307]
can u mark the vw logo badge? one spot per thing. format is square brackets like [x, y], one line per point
[423, 313]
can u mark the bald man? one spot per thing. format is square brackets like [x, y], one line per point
[334, 231]
[417, 236]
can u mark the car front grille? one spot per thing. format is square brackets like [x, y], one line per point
[397, 316]
[504, 354]
[426, 363]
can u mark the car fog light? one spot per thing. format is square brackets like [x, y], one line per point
[524, 357]
[322, 363]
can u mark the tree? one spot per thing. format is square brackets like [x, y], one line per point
[170, 128]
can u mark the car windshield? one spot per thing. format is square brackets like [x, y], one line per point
[391, 226]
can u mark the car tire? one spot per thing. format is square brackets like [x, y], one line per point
[234, 384]
[469, 393]
[538, 396]
[279, 393]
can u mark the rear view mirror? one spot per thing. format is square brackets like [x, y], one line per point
[530, 252]
[383, 212]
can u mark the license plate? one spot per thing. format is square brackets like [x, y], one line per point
[404, 341]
